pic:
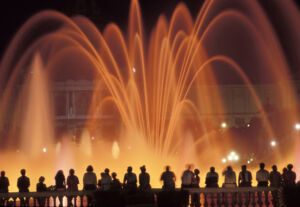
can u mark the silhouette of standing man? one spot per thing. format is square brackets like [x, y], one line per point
[23, 185]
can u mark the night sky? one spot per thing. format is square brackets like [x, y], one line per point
[14, 13]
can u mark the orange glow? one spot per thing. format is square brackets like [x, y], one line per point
[164, 94]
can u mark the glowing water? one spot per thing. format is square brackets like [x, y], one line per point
[161, 88]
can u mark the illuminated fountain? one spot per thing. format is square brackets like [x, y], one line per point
[163, 86]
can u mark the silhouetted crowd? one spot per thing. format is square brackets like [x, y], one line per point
[189, 178]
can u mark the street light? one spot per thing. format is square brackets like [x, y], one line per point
[297, 126]
[223, 125]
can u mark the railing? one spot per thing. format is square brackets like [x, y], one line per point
[214, 197]
[50, 198]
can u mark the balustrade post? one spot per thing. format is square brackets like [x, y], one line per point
[205, 200]
[34, 201]
[81, 201]
[75, 201]
[15, 201]
[48, 201]
[219, 199]
[54, 201]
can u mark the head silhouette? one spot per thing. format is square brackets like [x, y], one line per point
[262, 166]
[2, 173]
[41, 179]
[143, 168]
[71, 171]
[290, 167]
[212, 169]
[196, 171]
[89, 168]
[229, 168]
[274, 167]
[167, 168]
[106, 170]
[23, 172]
[129, 169]
[244, 167]
[60, 173]
[114, 175]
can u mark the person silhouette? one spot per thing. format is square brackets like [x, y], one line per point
[168, 178]
[23, 184]
[275, 182]
[105, 181]
[89, 182]
[60, 184]
[72, 183]
[115, 183]
[262, 177]
[144, 180]
[196, 184]
[41, 187]
[275, 178]
[130, 180]
[245, 177]
[289, 178]
[230, 178]
[4, 183]
[212, 179]
[187, 178]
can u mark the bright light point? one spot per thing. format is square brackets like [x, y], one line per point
[230, 157]
[44, 149]
[236, 157]
[273, 143]
[133, 70]
[251, 159]
[248, 161]
[224, 160]
[297, 126]
[92, 138]
[232, 153]
[248, 125]
[223, 125]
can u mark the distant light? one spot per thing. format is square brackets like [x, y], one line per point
[273, 143]
[133, 70]
[233, 156]
[251, 159]
[44, 149]
[223, 125]
[297, 126]
[248, 125]
[93, 138]
[248, 161]
[236, 157]
[224, 160]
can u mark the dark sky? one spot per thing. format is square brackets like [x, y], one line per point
[13, 13]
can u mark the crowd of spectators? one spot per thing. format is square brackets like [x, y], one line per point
[189, 179]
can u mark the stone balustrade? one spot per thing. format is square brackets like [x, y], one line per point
[209, 197]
